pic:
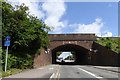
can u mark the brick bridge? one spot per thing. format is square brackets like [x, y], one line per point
[87, 51]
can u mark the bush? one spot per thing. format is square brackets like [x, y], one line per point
[0, 61]
[110, 43]
[27, 34]
[24, 62]
[17, 61]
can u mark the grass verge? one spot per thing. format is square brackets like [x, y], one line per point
[10, 72]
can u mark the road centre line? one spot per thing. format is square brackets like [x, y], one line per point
[52, 76]
[90, 73]
[56, 74]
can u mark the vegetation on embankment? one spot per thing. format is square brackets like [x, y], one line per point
[28, 34]
[110, 42]
[11, 72]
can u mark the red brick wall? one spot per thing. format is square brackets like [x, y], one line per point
[84, 44]
[104, 56]
[42, 59]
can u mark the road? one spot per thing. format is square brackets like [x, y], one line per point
[59, 72]
[85, 72]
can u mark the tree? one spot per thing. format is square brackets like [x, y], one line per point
[28, 34]
[108, 45]
[112, 43]
[58, 54]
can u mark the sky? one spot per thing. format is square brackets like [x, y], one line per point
[76, 16]
[64, 55]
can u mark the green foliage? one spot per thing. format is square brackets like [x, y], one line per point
[110, 43]
[17, 61]
[0, 61]
[0, 51]
[28, 34]
[58, 54]
[10, 72]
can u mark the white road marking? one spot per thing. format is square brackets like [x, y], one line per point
[51, 68]
[104, 67]
[52, 76]
[90, 73]
[53, 65]
[40, 68]
[56, 74]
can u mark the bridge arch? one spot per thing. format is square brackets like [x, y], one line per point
[87, 50]
[81, 53]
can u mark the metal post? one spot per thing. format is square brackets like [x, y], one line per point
[6, 59]
[69, 57]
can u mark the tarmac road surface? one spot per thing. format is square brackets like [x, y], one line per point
[73, 72]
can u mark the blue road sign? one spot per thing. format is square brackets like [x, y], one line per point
[7, 43]
[7, 38]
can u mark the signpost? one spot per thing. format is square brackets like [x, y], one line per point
[7, 43]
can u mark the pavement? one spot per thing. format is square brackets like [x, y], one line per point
[35, 74]
[113, 69]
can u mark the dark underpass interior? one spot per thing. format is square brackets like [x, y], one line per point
[80, 55]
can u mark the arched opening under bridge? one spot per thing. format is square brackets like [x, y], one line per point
[79, 54]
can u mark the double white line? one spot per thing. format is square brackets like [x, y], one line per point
[55, 76]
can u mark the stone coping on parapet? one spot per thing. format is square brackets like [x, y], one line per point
[74, 37]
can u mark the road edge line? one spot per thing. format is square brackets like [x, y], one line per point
[107, 69]
[90, 73]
